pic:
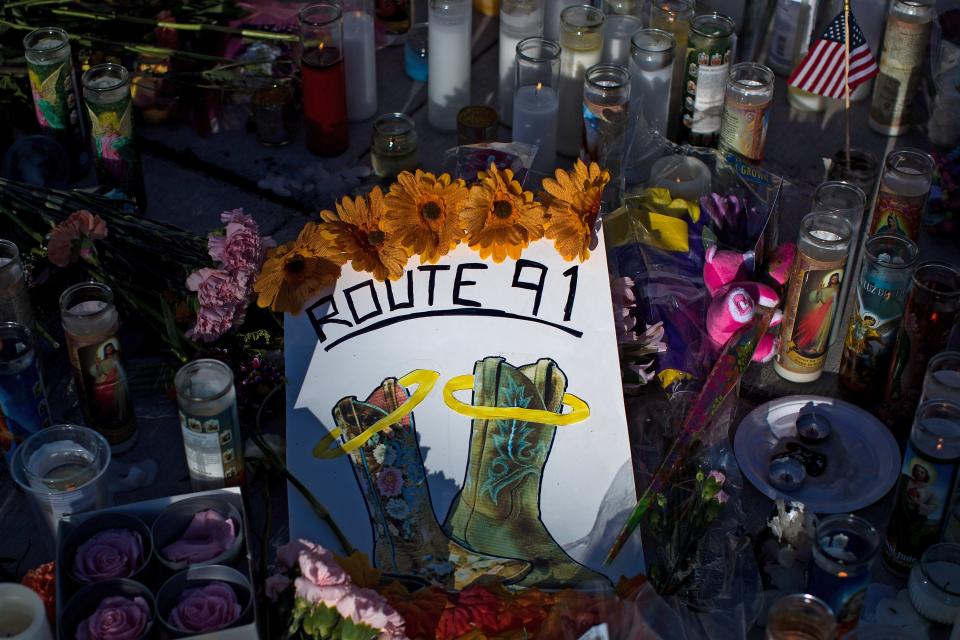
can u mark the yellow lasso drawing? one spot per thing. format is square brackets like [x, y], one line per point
[580, 410]
[425, 381]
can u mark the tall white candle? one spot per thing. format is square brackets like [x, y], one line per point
[448, 72]
[581, 42]
[535, 122]
[651, 70]
[617, 31]
[360, 60]
[519, 19]
[551, 19]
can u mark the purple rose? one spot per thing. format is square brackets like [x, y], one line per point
[111, 553]
[217, 288]
[207, 536]
[117, 618]
[207, 608]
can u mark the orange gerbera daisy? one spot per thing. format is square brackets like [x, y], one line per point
[573, 204]
[296, 271]
[423, 213]
[357, 230]
[500, 218]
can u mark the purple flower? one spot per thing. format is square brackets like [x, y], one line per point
[111, 553]
[201, 609]
[217, 288]
[315, 594]
[275, 585]
[212, 322]
[390, 482]
[717, 476]
[117, 618]
[208, 535]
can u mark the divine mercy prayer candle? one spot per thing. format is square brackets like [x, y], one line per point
[360, 59]
[651, 71]
[324, 82]
[536, 102]
[581, 42]
[519, 19]
[448, 78]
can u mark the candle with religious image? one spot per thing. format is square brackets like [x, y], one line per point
[707, 67]
[812, 296]
[106, 92]
[581, 42]
[536, 102]
[881, 293]
[674, 16]
[651, 74]
[928, 318]
[55, 100]
[904, 188]
[360, 59]
[91, 324]
[324, 81]
[927, 479]
[519, 19]
[23, 400]
[746, 107]
[844, 548]
[448, 77]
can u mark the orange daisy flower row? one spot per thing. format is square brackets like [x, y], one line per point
[427, 216]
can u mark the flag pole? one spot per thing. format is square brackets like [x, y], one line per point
[846, 78]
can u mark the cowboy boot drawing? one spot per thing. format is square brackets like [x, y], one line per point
[498, 509]
[389, 469]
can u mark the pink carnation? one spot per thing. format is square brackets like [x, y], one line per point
[289, 554]
[216, 287]
[315, 594]
[322, 569]
[212, 322]
[239, 217]
[366, 606]
[717, 476]
[390, 482]
[240, 248]
[275, 585]
[73, 238]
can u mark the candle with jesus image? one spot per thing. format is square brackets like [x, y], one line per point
[324, 81]
[813, 296]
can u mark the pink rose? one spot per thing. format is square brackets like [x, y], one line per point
[216, 287]
[117, 618]
[111, 553]
[73, 238]
[201, 609]
[212, 322]
[390, 481]
[276, 585]
[366, 606]
[315, 594]
[208, 535]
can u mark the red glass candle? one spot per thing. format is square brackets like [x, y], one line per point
[324, 82]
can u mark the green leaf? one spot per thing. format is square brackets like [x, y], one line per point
[320, 621]
[350, 630]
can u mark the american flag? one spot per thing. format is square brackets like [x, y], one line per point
[822, 70]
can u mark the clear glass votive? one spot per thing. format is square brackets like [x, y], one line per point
[394, 145]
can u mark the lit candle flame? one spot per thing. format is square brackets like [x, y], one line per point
[320, 47]
[539, 86]
[842, 574]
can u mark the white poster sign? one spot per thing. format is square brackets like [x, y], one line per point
[466, 420]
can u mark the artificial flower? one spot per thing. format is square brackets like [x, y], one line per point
[217, 287]
[397, 508]
[207, 608]
[390, 482]
[116, 618]
[108, 554]
[296, 271]
[208, 535]
[72, 239]
[43, 580]
[357, 229]
[422, 211]
[573, 204]
[659, 200]
[384, 454]
[500, 219]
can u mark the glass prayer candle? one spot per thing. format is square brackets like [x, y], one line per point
[812, 296]
[273, 113]
[861, 171]
[708, 65]
[685, 176]
[476, 124]
[618, 29]
[942, 379]
[881, 293]
[106, 92]
[14, 296]
[448, 87]
[90, 324]
[844, 547]
[324, 81]
[209, 423]
[23, 616]
[23, 401]
[536, 100]
[360, 58]
[394, 146]
[928, 318]
[519, 19]
[901, 64]
[904, 188]
[581, 42]
[674, 17]
[416, 52]
[927, 478]
[621, 7]
[934, 584]
[487, 7]
[746, 106]
[793, 22]
[651, 72]
[800, 616]
[606, 102]
[551, 17]
[55, 99]
[394, 18]
[847, 201]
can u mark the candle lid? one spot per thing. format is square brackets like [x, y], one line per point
[786, 473]
[813, 427]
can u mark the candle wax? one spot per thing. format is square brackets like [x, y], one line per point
[325, 102]
[448, 86]
[685, 177]
[535, 122]
[574, 63]
[617, 31]
[650, 95]
[514, 27]
[359, 58]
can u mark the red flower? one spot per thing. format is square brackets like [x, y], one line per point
[43, 580]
